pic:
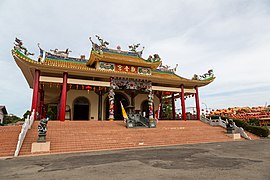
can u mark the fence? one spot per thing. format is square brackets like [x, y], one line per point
[222, 123]
[26, 125]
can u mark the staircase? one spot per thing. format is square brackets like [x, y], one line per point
[8, 139]
[79, 136]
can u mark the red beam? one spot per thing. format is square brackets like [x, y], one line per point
[183, 103]
[35, 93]
[197, 103]
[63, 98]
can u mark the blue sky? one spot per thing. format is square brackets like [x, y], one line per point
[230, 36]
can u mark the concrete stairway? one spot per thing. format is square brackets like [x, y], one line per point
[77, 136]
[8, 139]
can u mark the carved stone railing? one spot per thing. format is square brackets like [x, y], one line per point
[241, 131]
[222, 123]
[26, 125]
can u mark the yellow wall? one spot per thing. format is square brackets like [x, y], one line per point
[142, 97]
[92, 98]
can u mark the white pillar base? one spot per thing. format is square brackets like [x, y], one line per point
[40, 147]
[235, 136]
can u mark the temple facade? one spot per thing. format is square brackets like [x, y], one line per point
[66, 88]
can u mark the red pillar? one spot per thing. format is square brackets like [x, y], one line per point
[197, 103]
[173, 107]
[41, 103]
[183, 103]
[35, 92]
[63, 98]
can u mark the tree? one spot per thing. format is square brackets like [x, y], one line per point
[8, 119]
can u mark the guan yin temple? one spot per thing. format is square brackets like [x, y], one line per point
[67, 88]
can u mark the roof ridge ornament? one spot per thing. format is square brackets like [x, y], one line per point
[206, 76]
[99, 48]
[103, 44]
[166, 68]
[19, 46]
[154, 58]
[132, 48]
[63, 53]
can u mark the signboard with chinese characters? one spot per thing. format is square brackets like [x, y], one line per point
[123, 68]
[126, 68]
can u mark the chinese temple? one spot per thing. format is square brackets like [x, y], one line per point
[67, 88]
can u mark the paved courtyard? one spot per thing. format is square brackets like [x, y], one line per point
[222, 160]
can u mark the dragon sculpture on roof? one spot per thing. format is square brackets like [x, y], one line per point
[19, 46]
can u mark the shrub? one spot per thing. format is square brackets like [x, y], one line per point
[240, 123]
[260, 131]
[254, 122]
[11, 119]
[257, 130]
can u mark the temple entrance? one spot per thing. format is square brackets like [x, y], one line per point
[117, 106]
[81, 109]
[145, 108]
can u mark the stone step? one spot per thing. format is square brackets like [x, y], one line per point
[8, 139]
[73, 136]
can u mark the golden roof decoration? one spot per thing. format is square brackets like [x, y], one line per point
[57, 63]
[133, 57]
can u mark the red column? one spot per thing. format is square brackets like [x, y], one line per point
[41, 103]
[173, 107]
[197, 103]
[183, 103]
[35, 92]
[63, 98]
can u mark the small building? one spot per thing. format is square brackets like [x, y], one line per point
[3, 113]
[94, 88]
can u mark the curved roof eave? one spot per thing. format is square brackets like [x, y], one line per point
[118, 58]
[27, 66]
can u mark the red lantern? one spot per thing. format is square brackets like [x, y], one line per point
[167, 93]
[88, 88]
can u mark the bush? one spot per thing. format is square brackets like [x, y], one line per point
[240, 123]
[254, 122]
[257, 130]
[260, 131]
[11, 119]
